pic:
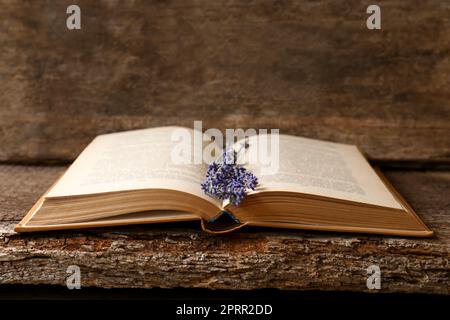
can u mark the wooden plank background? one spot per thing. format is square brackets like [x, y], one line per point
[310, 68]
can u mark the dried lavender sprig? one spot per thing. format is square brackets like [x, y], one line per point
[226, 180]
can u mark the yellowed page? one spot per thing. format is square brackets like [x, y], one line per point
[326, 169]
[139, 159]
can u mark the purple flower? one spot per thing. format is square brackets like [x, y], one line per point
[227, 180]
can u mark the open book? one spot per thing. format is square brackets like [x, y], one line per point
[129, 178]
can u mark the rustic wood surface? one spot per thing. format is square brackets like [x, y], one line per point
[180, 255]
[310, 68]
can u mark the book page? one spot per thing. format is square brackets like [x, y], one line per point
[131, 160]
[326, 169]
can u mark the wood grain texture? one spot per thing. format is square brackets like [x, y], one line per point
[180, 255]
[310, 68]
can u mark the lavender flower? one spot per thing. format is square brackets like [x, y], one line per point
[227, 180]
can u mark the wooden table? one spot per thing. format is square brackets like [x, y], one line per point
[181, 255]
